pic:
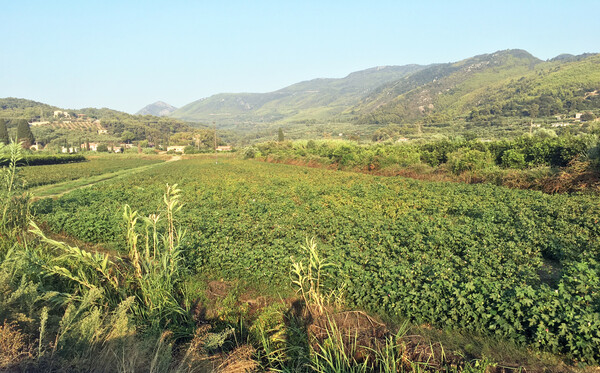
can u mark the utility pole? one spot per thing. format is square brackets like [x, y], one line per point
[214, 124]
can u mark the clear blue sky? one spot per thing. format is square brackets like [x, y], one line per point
[126, 54]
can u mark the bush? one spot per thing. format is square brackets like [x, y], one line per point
[190, 150]
[250, 152]
[513, 158]
[44, 159]
[102, 148]
[468, 160]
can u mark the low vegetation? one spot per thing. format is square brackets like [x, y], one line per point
[43, 159]
[67, 309]
[517, 265]
[543, 161]
[94, 165]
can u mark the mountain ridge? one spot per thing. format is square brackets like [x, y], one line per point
[499, 82]
[378, 95]
[328, 95]
[158, 108]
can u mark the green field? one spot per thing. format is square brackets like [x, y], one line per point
[516, 264]
[95, 165]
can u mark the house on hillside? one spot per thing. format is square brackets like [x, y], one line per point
[93, 146]
[69, 150]
[102, 132]
[224, 148]
[59, 113]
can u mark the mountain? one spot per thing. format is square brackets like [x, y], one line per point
[303, 102]
[441, 89]
[159, 109]
[566, 57]
[500, 84]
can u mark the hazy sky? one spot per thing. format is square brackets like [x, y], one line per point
[126, 54]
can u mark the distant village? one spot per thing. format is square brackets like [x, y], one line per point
[121, 147]
[66, 120]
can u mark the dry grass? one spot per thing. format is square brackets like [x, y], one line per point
[239, 360]
[578, 176]
[13, 348]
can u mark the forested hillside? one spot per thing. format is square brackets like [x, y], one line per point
[308, 101]
[501, 94]
[71, 126]
[492, 88]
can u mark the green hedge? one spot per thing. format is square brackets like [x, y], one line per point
[45, 159]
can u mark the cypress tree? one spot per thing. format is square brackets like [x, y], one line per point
[280, 136]
[24, 134]
[4, 132]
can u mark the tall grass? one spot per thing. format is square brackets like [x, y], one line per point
[91, 311]
[15, 204]
[152, 273]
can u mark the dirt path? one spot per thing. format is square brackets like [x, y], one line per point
[59, 189]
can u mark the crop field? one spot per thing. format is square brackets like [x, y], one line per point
[52, 174]
[517, 264]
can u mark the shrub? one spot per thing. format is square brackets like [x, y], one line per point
[513, 158]
[44, 159]
[190, 150]
[102, 148]
[250, 152]
[468, 160]
[12, 346]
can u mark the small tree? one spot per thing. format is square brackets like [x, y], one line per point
[280, 136]
[4, 133]
[127, 136]
[24, 134]
[468, 160]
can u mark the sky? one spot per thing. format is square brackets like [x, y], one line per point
[126, 54]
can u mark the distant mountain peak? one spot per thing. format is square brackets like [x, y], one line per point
[566, 57]
[159, 109]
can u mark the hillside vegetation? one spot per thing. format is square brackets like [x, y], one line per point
[85, 123]
[498, 86]
[496, 95]
[311, 100]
